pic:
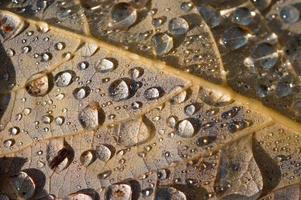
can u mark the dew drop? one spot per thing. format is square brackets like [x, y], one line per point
[23, 185]
[103, 153]
[289, 14]
[122, 89]
[266, 55]
[119, 192]
[63, 79]
[210, 15]
[185, 128]
[38, 84]
[105, 65]
[87, 158]
[123, 15]
[153, 93]
[81, 93]
[242, 16]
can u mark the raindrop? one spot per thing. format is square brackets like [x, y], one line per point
[119, 192]
[47, 119]
[105, 65]
[87, 158]
[103, 153]
[123, 15]
[283, 89]
[171, 121]
[59, 120]
[91, 116]
[186, 6]
[23, 185]
[234, 38]
[190, 109]
[163, 174]
[59, 155]
[162, 43]
[262, 4]
[136, 105]
[88, 49]
[178, 26]
[104, 174]
[38, 84]
[46, 57]
[83, 65]
[153, 93]
[136, 72]
[63, 79]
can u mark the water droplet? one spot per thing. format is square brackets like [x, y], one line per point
[153, 93]
[136, 72]
[88, 49]
[8, 143]
[81, 93]
[23, 185]
[14, 130]
[170, 193]
[59, 155]
[211, 16]
[186, 6]
[234, 38]
[178, 26]
[38, 84]
[163, 174]
[266, 55]
[104, 174]
[190, 109]
[242, 16]
[83, 65]
[185, 128]
[46, 57]
[59, 46]
[262, 4]
[171, 121]
[289, 14]
[123, 15]
[120, 192]
[122, 89]
[59, 120]
[79, 196]
[63, 79]
[47, 119]
[87, 158]
[162, 43]
[103, 153]
[105, 65]
[91, 116]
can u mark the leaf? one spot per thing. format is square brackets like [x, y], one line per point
[149, 99]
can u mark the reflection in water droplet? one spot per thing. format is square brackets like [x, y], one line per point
[23, 185]
[14, 130]
[178, 26]
[63, 79]
[123, 15]
[38, 84]
[162, 43]
[119, 192]
[8, 143]
[234, 38]
[91, 116]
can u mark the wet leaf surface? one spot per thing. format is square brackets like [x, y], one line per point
[149, 99]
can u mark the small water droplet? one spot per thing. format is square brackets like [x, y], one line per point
[153, 93]
[178, 26]
[185, 128]
[63, 79]
[87, 158]
[162, 43]
[103, 153]
[105, 65]
[91, 116]
[123, 15]
[234, 38]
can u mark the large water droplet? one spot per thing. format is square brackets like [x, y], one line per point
[64, 79]
[211, 16]
[59, 155]
[23, 185]
[289, 14]
[242, 16]
[81, 93]
[105, 65]
[185, 128]
[234, 38]
[87, 157]
[153, 93]
[170, 193]
[178, 26]
[119, 192]
[123, 15]
[91, 116]
[122, 89]
[266, 55]
[162, 43]
[103, 152]
[38, 84]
